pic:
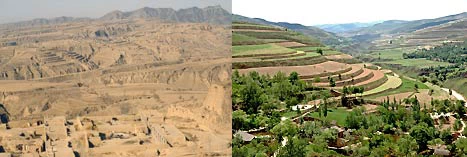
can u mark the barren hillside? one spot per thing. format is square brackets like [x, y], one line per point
[163, 75]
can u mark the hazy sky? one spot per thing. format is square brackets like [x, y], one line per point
[312, 12]
[20, 10]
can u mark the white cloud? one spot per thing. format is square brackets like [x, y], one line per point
[312, 12]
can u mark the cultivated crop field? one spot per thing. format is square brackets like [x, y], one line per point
[392, 83]
[259, 49]
[406, 86]
[290, 44]
[329, 66]
[291, 36]
[312, 48]
[417, 62]
[389, 53]
[240, 39]
[307, 55]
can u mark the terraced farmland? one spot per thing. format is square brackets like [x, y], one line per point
[392, 83]
[290, 51]
[312, 48]
[305, 71]
[417, 62]
[258, 50]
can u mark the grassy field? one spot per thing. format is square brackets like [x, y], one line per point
[290, 114]
[417, 62]
[389, 54]
[338, 115]
[289, 35]
[396, 58]
[406, 86]
[259, 49]
[457, 84]
[392, 82]
[240, 39]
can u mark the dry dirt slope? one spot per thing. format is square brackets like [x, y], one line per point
[120, 67]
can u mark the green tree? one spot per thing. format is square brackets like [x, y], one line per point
[239, 120]
[317, 79]
[461, 146]
[407, 146]
[252, 96]
[281, 87]
[325, 108]
[320, 51]
[332, 83]
[284, 129]
[293, 77]
[457, 125]
[295, 147]
[310, 129]
[422, 134]
[356, 119]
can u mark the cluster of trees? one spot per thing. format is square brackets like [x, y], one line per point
[374, 134]
[251, 91]
[394, 129]
[256, 98]
[345, 101]
[298, 138]
[452, 53]
[455, 53]
[394, 119]
[439, 74]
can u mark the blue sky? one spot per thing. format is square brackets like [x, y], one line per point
[20, 10]
[313, 12]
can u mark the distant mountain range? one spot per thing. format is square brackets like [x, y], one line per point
[400, 27]
[327, 38]
[344, 27]
[211, 14]
[400, 33]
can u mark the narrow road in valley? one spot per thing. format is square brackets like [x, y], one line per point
[458, 97]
